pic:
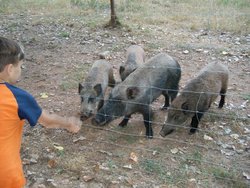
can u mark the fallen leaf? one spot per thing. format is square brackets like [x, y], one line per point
[235, 136]
[104, 167]
[129, 181]
[81, 138]
[51, 163]
[174, 151]
[128, 166]
[26, 161]
[58, 147]
[88, 178]
[97, 168]
[206, 137]
[44, 95]
[133, 157]
[106, 152]
[224, 53]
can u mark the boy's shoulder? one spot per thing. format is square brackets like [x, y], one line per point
[15, 89]
[17, 92]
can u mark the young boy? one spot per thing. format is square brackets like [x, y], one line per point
[17, 105]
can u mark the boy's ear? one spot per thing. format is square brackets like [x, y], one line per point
[9, 68]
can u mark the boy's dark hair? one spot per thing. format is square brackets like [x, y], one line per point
[10, 52]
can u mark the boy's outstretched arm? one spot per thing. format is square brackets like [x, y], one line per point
[72, 124]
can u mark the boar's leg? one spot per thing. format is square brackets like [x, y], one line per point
[147, 117]
[166, 105]
[111, 82]
[124, 122]
[100, 104]
[195, 121]
[222, 99]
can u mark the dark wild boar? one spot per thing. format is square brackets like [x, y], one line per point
[135, 57]
[92, 91]
[159, 75]
[197, 97]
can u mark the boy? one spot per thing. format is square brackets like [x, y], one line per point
[16, 105]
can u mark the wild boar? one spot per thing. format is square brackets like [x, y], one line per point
[135, 57]
[159, 75]
[92, 91]
[196, 98]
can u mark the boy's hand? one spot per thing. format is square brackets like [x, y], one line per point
[74, 124]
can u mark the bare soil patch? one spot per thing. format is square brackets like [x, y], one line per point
[59, 52]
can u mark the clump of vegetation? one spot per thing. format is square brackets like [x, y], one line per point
[230, 177]
[222, 15]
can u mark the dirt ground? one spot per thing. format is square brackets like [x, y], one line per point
[56, 61]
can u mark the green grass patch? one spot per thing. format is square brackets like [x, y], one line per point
[246, 97]
[229, 177]
[216, 15]
[73, 77]
[65, 34]
[235, 3]
[90, 4]
[156, 167]
[126, 139]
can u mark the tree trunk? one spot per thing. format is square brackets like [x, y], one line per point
[113, 20]
[113, 15]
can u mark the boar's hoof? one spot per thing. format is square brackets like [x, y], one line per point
[83, 118]
[149, 137]
[164, 107]
[94, 122]
[122, 124]
[192, 130]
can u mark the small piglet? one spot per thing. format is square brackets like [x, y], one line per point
[92, 91]
[135, 57]
[197, 97]
[159, 75]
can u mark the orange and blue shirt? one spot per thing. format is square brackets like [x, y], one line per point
[16, 105]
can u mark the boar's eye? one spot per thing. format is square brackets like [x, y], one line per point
[82, 99]
[91, 99]
[175, 117]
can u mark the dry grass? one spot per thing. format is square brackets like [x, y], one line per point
[215, 15]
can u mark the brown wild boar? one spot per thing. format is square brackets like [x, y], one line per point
[196, 98]
[92, 91]
[135, 57]
[159, 75]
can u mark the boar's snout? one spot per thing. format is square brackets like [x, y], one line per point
[86, 115]
[165, 131]
[83, 117]
[100, 119]
[94, 121]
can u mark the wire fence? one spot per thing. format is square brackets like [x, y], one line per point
[227, 144]
[228, 116]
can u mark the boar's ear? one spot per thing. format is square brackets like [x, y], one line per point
[132, 92]
[184, 108]
[121, 69]
[80, 87]
[98, 89]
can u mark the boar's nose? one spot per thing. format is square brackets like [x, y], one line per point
[95, 121]
[83, 117]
